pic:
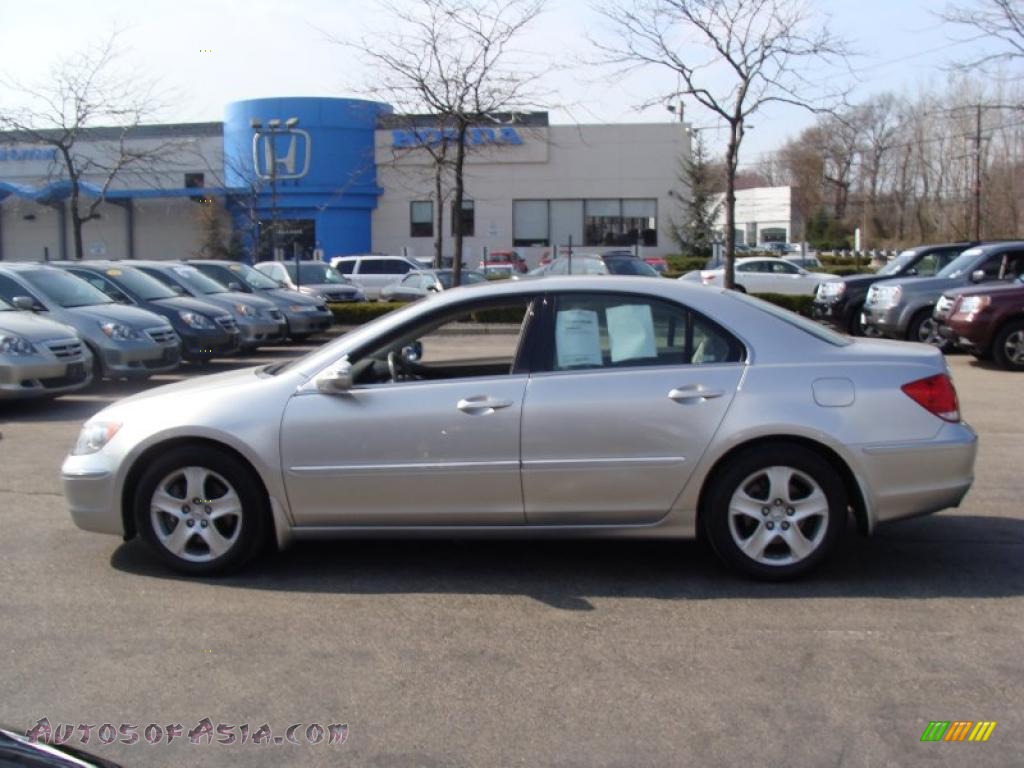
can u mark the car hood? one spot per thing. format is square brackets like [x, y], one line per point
[923, 284]
[133, 317]
[188, 304]
[34, 328]
[1005, 292]
[331, 287]
[230, 298]
[210, 385]
[285, 296]
[862, 281]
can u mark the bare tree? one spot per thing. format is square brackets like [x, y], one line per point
[455, 61]
[66, 112]
[1001, 20]
[733, 57]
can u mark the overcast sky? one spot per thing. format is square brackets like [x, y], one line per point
[265, 48]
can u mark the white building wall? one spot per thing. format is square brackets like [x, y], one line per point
[553, 163]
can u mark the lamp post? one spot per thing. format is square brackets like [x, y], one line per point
[274, 127]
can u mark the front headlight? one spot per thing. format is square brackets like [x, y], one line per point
[245, 310]
[196, 320]
[15, 345]
[831, 290]
[119, 332]
[972, 305]
[95, 435]
[887, 295]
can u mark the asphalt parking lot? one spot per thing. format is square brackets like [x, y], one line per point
[518, 653]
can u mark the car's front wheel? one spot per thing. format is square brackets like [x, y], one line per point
[1008, 347]
[201, 509]
[925, 328]
[775, 511]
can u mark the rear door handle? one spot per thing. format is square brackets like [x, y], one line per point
[481, 405]
[693, 393]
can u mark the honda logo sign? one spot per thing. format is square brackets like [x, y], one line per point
[281, 154]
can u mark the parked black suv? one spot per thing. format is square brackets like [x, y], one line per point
[839, 302]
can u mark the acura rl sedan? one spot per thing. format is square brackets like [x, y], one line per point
[593, 407]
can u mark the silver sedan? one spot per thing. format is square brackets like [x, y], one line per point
[595, 407]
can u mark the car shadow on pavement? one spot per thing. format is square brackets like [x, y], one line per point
[937, 557]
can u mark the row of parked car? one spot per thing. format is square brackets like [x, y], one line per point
[966, 295]
[86, 320]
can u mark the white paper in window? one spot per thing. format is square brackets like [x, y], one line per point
[631, 332]
[577, 338]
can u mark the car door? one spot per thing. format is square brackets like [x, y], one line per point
[754, 277]
[441, 448]
[630, 394]
[790, 280]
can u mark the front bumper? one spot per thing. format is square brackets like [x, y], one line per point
[974, 337]
[139, 359]
[834, 313]
[918, 477]
[259, 330]
[204, 344]
[38, 376]
[90, 490]
[884, 320]
[308, 322]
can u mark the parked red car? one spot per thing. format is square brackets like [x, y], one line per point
[503, 261]
[659, 264]
[987, 321]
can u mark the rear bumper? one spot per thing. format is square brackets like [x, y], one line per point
[918, 477]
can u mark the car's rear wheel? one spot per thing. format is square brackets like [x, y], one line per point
[775, 511]
[201, 509]
[1008, 347]
[925, 329]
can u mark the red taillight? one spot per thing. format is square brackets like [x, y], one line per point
[935, 394]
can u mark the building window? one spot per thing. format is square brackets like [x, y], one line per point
[620, 222]
[529, 223]
[773, 235]
[421, 218]
[468, 218]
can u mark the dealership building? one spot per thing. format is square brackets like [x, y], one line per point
[345, 176]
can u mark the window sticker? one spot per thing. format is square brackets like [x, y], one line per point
[631, 332]
[577, 339]
[184, 271]
[114, 272]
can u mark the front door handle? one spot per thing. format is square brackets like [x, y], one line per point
[693, 393]
[481, 405]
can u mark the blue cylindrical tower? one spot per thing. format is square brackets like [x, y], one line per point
[312, 167]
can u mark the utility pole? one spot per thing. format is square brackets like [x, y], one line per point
[977, 173]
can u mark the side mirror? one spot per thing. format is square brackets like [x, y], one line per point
[912, 272]
[336, 379]
[412, 353]
[24, 302]
[978, 276]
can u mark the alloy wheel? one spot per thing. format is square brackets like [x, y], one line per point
[928, 332]
[778, 516]
[1013, 347]
[196, 514]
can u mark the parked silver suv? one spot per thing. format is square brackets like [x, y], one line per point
[371, 273]
[126, 342]
[902, 308]
[38, 357]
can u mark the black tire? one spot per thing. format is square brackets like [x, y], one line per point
[917, 326]
[807, 464]
[1000, 355]
[255, 513]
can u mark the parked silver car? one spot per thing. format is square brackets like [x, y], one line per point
[259, 321]
[425, 282]
[607, 407]
[314, 278]
[125, 342]
[40, 358]
[304, 314]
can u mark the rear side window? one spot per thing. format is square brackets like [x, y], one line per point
[616, 331]
[371, 267]
[805, 325]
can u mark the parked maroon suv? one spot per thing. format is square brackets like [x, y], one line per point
[987, 321]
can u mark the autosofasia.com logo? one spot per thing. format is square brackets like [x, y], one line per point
[958, 730]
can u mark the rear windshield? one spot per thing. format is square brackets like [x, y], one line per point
[797, 321]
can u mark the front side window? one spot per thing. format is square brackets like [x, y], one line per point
[928, 265]
[614, 331]
[472, 341]
[421, 218]
[781, 267]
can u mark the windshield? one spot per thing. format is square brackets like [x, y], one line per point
[961, 263]
[898, 264]
[468, 278]
[252, 277]
[313, 272]
[630, 266]
[142, 285]
[65, 289]
[197, 281]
